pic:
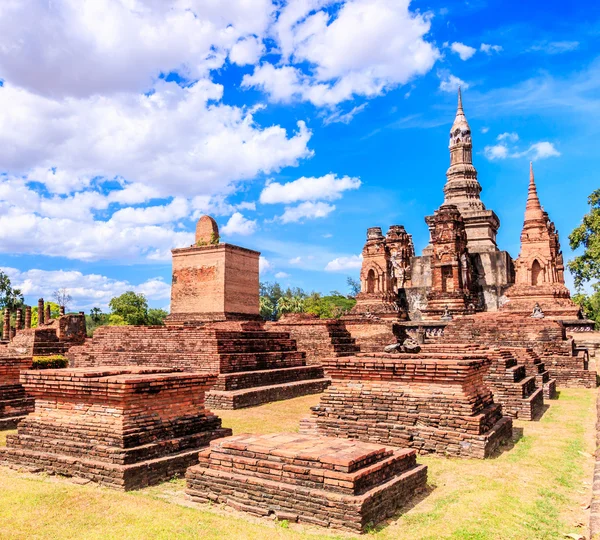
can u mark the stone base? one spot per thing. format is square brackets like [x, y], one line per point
[121, 477]
[198, 319]
[252, 397]
[574, 378]
[324, 481]
[10, 422]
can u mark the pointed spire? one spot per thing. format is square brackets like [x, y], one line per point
[533, 209]
[460, 120]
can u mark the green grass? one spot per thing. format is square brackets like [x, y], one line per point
[534, 490]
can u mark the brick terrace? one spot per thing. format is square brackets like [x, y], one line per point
[430, 402]
[325, 481]
[125, 428]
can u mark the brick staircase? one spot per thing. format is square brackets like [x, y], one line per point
[507, 378]
[254, 365]
[318, 338]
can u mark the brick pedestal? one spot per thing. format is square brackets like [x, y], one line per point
[325, 481]
[125, 428]
[433, 403]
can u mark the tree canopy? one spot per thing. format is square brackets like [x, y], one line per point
[9, 297]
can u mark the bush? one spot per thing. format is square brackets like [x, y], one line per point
[56, 361]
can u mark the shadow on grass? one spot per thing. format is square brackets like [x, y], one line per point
[506, 446]
[540, 413]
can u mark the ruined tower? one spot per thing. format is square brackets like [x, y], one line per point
[463, 190]
[539, 269]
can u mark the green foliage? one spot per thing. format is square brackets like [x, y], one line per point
[54, 313]
[214, 241]
[586, 267]
[332, 306]
[267, 308]
[116, 320]
[590, 304]
[353, 285]
[131, 307]
[156, 317]
[56, 361]
[290, 304]
[9, 298]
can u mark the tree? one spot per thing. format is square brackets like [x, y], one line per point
[590, 304]
[9, 298]
[290, 304]
[131, 307]
[586, 267]
[54, 313]
[328, 307]
[156, 317]
[62, 297]
[96, 314]
[267, 308]
[353, 285]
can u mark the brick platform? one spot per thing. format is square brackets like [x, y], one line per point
[254, 366]
[430, 402]
[335, 483]
[318, 338]
[518, 392]
[545, 337]
[125, 428]
[14, 403]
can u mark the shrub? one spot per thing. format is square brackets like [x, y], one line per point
[56, 361]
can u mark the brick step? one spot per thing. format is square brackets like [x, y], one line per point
[346, 348]
[246, 335]
[11, 422]
[542, 378]
[550, 389]
[253, 379]
[256, 345]
[252, 361]
[251, 397]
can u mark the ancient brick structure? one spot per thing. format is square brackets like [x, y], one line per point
[318, 338]
[429, 402]
[14, 403]
[329, 482]
[213, 281]
[545, 338]
[519, 383]
[125, 428]
[451, 272]
[253, 365]
[539, 268]
[385, 271]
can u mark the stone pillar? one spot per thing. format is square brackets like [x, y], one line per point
[61, 311]
[6, 325]
[48, 315]
[40, 312]
[27, 317]
[13, 333]
[19, 320]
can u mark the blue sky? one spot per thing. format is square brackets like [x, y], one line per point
[297, 124]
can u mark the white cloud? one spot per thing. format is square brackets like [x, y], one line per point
[464, 51]
[338, 117]
[328, 187]
[367, 47]
[539, 150]
[496, 151]
[87, 290]
[489, 49]
[450, 83]
[239, 225]
[484, 130]
[296, 260]
[281, 275]
[555, 47]
[306, 210]
[264, 265]
[512, 137]
[120, 45]
[247, 51]
[344, 263]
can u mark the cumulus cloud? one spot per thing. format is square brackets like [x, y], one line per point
[264, 265]
[87, 290]
[239, 225]
[464, 51]
[247, 51]
[328, 187]
[450, 83]
[367, 47]
[281, 275]
[489, 49]
[502, 150]
[306, 210]
[344, 263]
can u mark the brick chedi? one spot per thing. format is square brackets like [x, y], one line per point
[213, 281]
[540, 268]
[330, 482]
[429, 402]
[385, 271]
[15, 404]
[125, 428]
[450, 264]
[252, 364]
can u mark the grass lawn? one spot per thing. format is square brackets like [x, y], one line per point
[538, 488]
